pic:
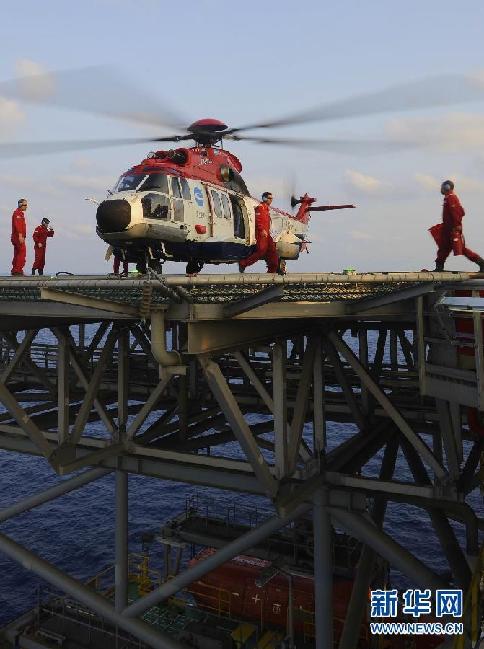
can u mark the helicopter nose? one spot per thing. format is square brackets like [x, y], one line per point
[113, 216]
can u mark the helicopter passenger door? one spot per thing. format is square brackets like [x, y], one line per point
[177, 199]
[221, 214]
[240, 217]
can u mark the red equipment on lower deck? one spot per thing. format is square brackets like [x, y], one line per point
[244, 588]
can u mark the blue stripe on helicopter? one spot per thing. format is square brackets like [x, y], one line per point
[209, 251]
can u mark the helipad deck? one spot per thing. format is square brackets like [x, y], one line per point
[215, 297]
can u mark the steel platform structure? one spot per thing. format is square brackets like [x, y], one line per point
[171, 367]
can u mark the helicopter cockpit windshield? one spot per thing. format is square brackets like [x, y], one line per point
[142, 182]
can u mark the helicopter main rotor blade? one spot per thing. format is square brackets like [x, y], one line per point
[334, 146]
[24, 149]
[100, 90]
[437, 91]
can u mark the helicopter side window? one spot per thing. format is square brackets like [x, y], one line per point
[175, 187]
[239, 223]
[155, 206]
[226, 206]
[217, 206]
[185, 189]
[177, 199]
[158, 182]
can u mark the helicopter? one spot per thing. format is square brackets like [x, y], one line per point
[191, 204]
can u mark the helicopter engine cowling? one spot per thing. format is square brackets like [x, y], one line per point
[288, 246]
[178, 156]
[113, 215]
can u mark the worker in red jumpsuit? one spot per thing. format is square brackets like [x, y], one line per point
[118, 259]
[450, 236]
[266, 248]
[41, 233]
[18, 238]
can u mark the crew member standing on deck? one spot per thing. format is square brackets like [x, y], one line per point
[266, 248]
[18, 238]
[119, 258]
[40, 236]
[450, 237]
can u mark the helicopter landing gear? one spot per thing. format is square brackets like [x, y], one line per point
[141, 265]
[193, 267]
[146, 261]
[156, 265]
[281, 267]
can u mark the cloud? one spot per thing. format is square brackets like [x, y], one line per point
[11, 116]
[454, 132]
[80, 181]
[82, 163]
[429, 183]
[365, 183]
[35, 81]
[27, 184]
[360, 236]
[464, 183]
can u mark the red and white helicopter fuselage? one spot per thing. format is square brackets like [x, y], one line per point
[192, 205]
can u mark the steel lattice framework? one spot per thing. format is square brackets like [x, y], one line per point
[197, 355]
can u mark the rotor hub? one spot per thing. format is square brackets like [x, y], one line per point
[207, 131]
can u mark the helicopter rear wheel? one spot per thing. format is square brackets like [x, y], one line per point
[193, 267]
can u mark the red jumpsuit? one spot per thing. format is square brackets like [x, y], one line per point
[266, 248]
[117, 263]
[452, 221]
[19, 250]
[39, 236]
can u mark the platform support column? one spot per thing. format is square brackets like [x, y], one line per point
[280, 408]
[323, 573]
[359, 594]
[123, 383]
[364, 360]
[121, 542]
[319, 413]
[63, 389]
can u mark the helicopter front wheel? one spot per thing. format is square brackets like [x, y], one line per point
[156, 265]
[193, 267]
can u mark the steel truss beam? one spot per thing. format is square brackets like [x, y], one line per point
[302, 403]
[365, 531]
[76, 364]
[309, 377]
[29, 363]
[387, 405]
[25, 423]
[19, 354]
[242, 432]
[359, 593]
[350, 398]
[26, 504]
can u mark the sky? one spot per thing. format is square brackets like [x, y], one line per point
[245, 62]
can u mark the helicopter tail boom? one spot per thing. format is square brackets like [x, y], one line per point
[306, 207]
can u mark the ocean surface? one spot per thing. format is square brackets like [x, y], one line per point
[76, 531]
